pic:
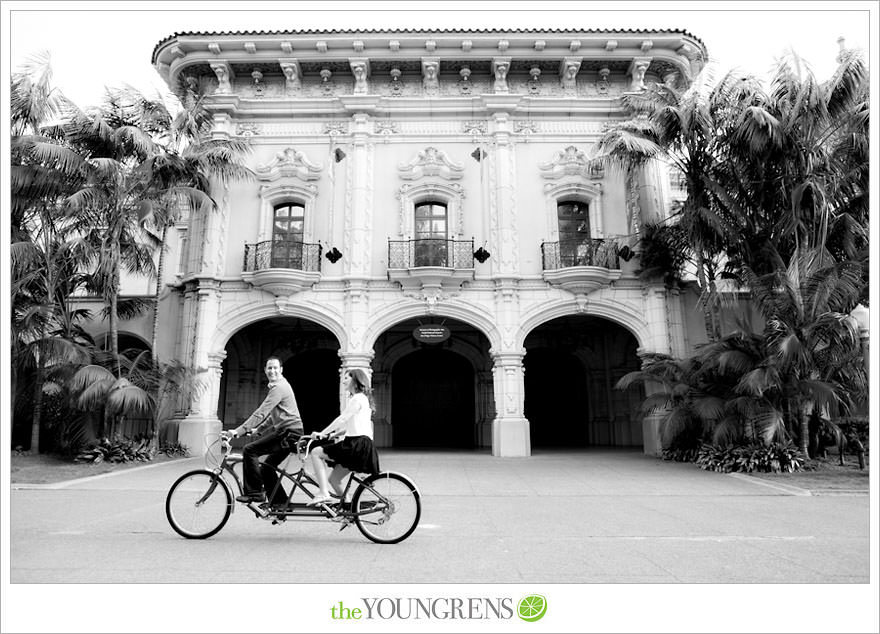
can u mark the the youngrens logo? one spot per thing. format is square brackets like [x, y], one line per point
[529, 608]
[532, 608]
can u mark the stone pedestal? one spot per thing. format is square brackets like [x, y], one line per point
[192, 432]
[510, 438]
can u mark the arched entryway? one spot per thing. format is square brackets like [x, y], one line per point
[433, 400]
[572, 366]
[309, 354]
[555, 397]
[433, 394]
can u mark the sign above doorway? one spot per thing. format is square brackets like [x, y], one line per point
[431, 333]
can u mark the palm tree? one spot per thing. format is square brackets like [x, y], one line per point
[184, 165]
[797, 164]
[812, 357]
[680, 127]
[45, 254]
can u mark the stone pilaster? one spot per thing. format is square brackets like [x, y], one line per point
[202, 418]
[485, 409]
[510, 429]
[358, 200]
[502, 198]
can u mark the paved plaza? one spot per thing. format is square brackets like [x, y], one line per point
[589, 516]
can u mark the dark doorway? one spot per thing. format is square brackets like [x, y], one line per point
[556, 401]
[432, 400]
[314, 377]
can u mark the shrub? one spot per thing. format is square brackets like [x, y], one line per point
[681, 454]
[119, 450]
[774, 458]
[174, 449]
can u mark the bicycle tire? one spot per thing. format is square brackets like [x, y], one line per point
[191, 519]
[394, 512]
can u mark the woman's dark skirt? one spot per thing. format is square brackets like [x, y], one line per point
[355, 453]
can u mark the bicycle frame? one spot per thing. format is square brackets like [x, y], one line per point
[299, 480]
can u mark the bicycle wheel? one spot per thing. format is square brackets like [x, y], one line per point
[389, 507]
[199, 504]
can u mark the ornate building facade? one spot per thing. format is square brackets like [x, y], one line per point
[425, 208]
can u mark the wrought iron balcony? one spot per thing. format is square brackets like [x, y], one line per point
[453, 254]
[282, 267]
[581, 266]
[282, 254]
[430, 263]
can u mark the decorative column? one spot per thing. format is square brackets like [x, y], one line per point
[510, 429]
[651, 443]
[382, 436]
[485, 408]
[202, 418]
[358, 201]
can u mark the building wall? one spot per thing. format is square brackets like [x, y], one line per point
[359, 155]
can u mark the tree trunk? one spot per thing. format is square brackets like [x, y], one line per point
[38, 408]
[805, 431]
[708, 319]
[159, 273]
[114, 326]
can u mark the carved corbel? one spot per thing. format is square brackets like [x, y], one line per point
[637, 70]
[360, 68]
[500, 68]
[224, 74]
[431, 75]
[568, 70]
[292, 74]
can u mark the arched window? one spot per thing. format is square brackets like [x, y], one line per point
[573, 217]
[431, 232]
[287, 235]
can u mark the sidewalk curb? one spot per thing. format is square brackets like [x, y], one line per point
[787, 488]
[49, 486]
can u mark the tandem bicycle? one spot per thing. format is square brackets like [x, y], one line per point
[386, 507]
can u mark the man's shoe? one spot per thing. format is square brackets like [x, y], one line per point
[251, 497]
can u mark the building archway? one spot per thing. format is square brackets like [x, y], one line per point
[309, 354]
[433, 395]
[432, 404]
[572, 365]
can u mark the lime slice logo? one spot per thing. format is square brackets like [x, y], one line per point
[532, 607]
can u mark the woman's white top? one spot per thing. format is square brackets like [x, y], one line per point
[358, 416]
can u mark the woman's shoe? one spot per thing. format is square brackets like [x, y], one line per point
[319, 500]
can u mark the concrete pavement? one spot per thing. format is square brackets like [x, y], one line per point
[586, 516]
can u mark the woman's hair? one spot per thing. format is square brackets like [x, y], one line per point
[361, 383]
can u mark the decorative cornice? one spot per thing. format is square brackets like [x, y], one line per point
[289, 163]
[430, 162]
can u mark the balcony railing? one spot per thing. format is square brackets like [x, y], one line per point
[588, 252]
[437, 252]
[282, 254]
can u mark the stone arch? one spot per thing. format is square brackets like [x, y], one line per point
[395, 313]
[234, 321]
[101, 338]
[612, 311]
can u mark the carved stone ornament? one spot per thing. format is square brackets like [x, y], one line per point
[430, 162]
[568, 70]
[292, 75]
[221, 70]
[289, 163]
[570, 162]
[247, 129]
[500, 68]
[360, 68]
[431, 76]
